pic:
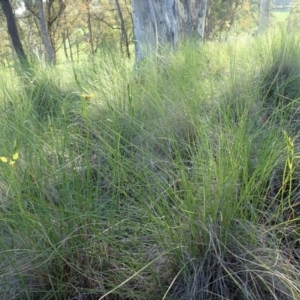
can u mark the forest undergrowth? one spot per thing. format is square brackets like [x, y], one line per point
[175, 179]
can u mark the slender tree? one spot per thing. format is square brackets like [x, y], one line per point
[13, 32]
[53, 14]
[264, 15]
[89, 25]
[123, 28]
[45, 33]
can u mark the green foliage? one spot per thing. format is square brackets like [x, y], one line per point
[178, 180]
[294, 15]
[223, 16]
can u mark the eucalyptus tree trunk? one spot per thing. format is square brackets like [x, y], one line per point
[153, 24]
[164, 22]
[264, 15]
[191, 18]
[13, 32]
[45, 33]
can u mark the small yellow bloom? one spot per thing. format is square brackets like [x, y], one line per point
[11, 161]
[4, 159]
[88, 96]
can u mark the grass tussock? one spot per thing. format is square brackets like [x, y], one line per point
[177, 179]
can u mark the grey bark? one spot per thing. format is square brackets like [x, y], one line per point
[264, 15]
[154, 24]
[45, 33]
[161, 22]
[191, 18]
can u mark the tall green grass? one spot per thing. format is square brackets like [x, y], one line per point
[177, 179]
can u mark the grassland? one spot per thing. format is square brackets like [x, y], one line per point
[177, 179]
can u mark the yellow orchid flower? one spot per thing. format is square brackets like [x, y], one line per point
[88, 96]
[4, 159]
[11, 161]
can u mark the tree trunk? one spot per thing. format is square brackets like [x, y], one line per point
[89, 22]
[191, 18]
[63, 36]
[45, 34]
[264, 15]
[154, 24]
[13, 32]
[123, 28]
[70, 45]
[165, 22]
